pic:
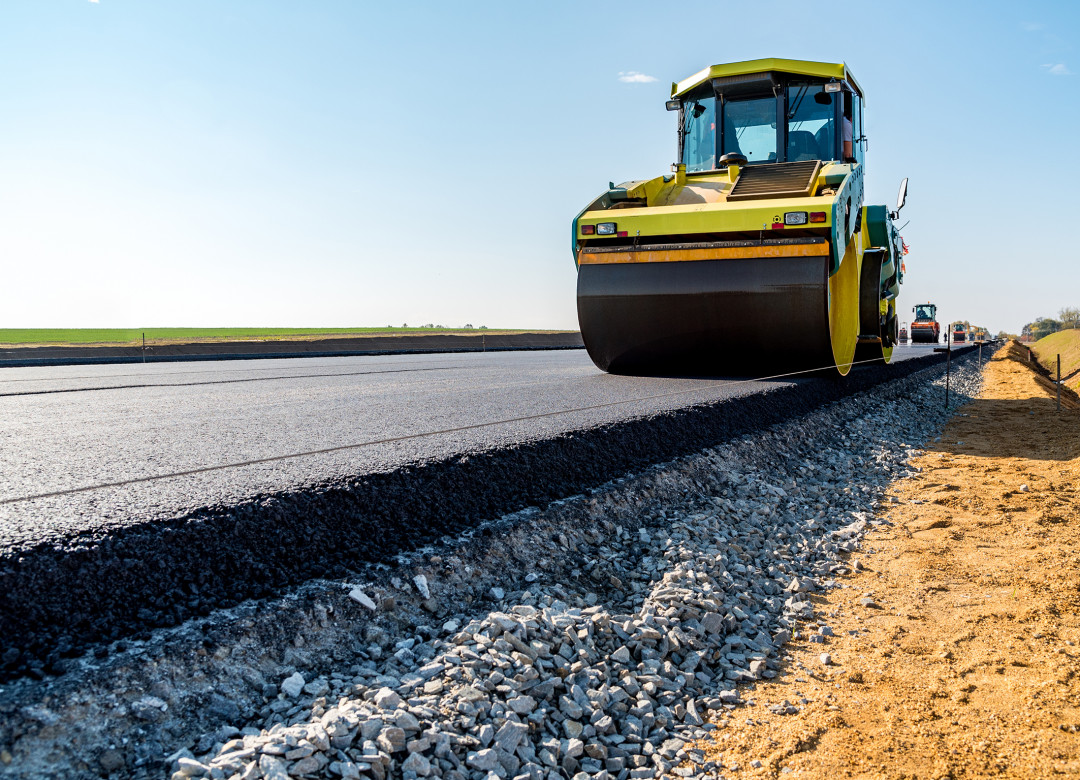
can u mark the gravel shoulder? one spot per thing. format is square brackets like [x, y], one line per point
[953, 643]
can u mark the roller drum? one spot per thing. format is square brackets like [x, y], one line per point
[922, 335]
[730, 317]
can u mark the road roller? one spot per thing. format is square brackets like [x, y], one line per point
[756, 255]
[925, 328]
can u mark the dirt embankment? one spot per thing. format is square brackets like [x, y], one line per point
[957, 646]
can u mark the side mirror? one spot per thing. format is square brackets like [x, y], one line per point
[901, 197]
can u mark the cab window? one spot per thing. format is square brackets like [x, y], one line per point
[750, 128]
[811, 127]
[699, 134]
[858, 127]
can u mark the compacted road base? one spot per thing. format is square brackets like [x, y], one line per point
[953, 648]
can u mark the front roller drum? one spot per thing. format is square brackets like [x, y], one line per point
[922, 336]
[730, 317]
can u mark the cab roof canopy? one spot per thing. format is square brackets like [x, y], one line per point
[825, 70]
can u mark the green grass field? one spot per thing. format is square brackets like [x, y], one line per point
[27, 336]
[1065, 343]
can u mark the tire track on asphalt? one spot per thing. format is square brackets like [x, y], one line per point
[217, 381]
[343, 447]
[394, 439]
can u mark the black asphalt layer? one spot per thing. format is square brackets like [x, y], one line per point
[136, 497]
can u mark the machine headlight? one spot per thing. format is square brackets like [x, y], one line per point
[795, 218]
[605, 229]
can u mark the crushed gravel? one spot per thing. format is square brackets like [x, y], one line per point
[593, 640]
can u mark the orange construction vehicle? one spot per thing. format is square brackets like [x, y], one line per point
[925, 328]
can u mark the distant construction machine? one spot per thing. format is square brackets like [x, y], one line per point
[925, 328]
[757, 253]
[959, 332]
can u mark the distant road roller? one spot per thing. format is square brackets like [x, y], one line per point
[925, 328]
[756, 255]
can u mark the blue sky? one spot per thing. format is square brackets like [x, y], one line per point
[231, 162]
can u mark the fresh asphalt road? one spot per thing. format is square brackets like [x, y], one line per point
[86, 448]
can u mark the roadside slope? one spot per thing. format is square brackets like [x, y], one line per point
[1067, 344]
[956, 648]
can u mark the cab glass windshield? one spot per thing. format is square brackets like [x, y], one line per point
[810, 125]
[699, 134]
[750, 128]
[924, 313]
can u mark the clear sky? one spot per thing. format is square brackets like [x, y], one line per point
[339, 162]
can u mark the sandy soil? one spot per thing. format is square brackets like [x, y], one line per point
[965, 664]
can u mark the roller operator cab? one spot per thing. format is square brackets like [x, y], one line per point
[757, 252]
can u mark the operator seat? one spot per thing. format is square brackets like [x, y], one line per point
[801, 145]
[823, 137]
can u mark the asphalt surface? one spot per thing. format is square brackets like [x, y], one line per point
[134, 497]
[72, 436]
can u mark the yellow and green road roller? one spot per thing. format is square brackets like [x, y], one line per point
[756, 255]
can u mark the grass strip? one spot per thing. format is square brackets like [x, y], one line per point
[28, 336]
[1065, 343]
